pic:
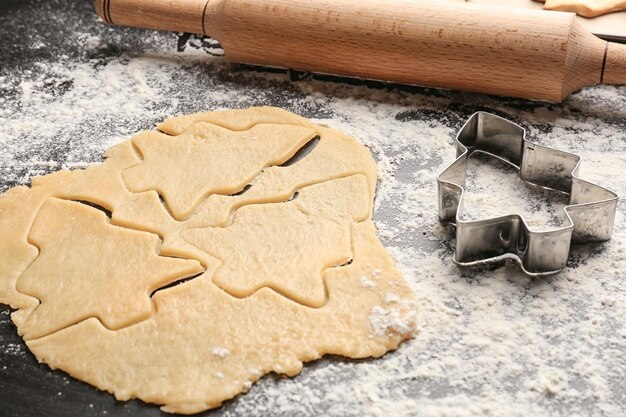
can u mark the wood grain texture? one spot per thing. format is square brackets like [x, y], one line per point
[520, 53]
[615, 67]
[583, 60]
[179, 15]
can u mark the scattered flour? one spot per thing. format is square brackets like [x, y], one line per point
[220, 352]
[365, 282]
[493, 188]
[391, 298]
[14, 349]
[490, 342]
[385, 320]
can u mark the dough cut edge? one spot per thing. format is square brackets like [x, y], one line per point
[387, 345]
[234, 119]
[376, 347]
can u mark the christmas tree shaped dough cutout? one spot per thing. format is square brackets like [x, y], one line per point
[208, 159]
[89, 268]
[287, 246]
[275, 269]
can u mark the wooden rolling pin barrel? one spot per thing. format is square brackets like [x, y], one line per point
[519, 53]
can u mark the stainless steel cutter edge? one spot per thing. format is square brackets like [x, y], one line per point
[590, 213]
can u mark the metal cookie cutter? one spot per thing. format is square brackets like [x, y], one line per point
[589, 215]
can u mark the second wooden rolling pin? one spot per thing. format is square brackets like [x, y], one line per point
[520, 53]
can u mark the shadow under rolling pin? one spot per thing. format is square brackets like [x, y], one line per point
[531, 54]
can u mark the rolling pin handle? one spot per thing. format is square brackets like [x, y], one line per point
[614, 71]
[193, 16]
[101, 9]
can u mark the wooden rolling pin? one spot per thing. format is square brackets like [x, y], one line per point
[531, 54]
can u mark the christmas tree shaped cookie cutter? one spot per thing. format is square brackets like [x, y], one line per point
[589, 216]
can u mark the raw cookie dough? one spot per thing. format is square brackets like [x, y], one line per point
[318, 230]
[282, 241]
[205, 159]
[585, 8]
[88, 246]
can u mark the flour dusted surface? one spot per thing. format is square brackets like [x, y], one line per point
[490, 343]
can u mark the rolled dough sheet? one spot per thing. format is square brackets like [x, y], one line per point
[586, 8]
[198, 258]
[610, 26]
